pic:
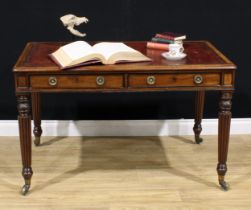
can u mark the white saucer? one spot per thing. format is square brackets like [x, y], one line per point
[168, 56]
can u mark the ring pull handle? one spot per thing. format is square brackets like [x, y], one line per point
[151, 80]
[100, 80]
[198, 79]
[52, 81]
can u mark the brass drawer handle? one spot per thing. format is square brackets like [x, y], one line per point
[100, 80]
[151, 80]
[198, 79]
[52, 81]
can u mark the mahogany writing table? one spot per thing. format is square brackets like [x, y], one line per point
[204, 69]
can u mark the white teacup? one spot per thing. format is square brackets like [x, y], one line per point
[176, 49]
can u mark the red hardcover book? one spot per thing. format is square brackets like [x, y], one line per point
[171, 36]
[157, 46]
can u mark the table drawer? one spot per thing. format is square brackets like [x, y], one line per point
[77, 81]
[172, 80]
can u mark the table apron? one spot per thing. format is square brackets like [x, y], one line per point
[125, 82]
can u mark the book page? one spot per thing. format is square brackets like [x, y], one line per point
[77, 49]
[77, 53]
[107, 49]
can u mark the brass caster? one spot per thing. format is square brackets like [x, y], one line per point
[224, 185]
[37, 141]
[198, 140]
[25, 189]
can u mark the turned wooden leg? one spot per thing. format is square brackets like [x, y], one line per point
[199, 108]
[37, 131]
[223, 136]
[24, 120]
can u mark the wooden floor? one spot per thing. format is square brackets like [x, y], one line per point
[118, 173]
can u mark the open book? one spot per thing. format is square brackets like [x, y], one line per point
[81, 53]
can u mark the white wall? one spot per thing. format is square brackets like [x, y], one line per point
[127, 127]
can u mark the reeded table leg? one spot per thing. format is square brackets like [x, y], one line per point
[24, 120]
[199, 108]
[223, 135]
[37, 131]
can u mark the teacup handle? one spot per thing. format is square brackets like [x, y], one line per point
[181, 49]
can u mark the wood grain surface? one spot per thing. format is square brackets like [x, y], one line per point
[126, 173]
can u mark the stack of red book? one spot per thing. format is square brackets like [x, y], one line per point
[162, 40]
